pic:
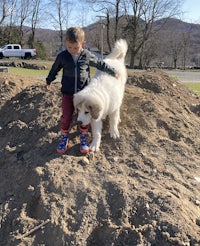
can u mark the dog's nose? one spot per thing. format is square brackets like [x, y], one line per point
[80, 122]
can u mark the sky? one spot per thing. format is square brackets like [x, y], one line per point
[82, 15]
[191, 9]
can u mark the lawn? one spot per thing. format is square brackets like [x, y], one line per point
[36, 73]
[28, 72]
[31, 72]
[195, 87]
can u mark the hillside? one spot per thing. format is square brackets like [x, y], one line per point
[167, 28]
[49, 37]
[142, 189]
[175, 27]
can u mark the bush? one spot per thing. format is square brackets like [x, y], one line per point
[9, 35]
[41, 51]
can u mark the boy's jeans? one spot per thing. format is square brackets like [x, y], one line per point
[67, 112]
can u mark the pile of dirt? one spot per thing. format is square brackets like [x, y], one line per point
[142, 189]
[11, 85]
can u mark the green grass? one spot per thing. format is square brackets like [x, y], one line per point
[28, 72]
[37, 73]
[195, 87]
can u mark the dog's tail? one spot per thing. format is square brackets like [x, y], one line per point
[119, 51]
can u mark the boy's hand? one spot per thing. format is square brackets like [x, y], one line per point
[48, 87]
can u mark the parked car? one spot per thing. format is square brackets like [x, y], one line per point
[15, 50]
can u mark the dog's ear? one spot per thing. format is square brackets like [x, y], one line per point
[95, 109]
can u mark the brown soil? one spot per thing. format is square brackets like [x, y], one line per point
[143, 189]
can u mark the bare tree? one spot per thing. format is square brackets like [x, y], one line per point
[60, 16]
[185, 45]
[35, 11]
[110, 9]
[12, 20]
[5, 9]
[141, 15]
[175, 47]
[108, 30]
[179, 47]
[23, 14]
[148, 52]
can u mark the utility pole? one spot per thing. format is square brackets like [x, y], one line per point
[102, 28]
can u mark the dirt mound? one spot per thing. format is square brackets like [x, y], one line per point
[11, 85]
[142, 189]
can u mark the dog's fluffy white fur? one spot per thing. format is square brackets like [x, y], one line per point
[103, 96]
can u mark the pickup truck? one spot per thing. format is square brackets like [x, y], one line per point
[15, 50]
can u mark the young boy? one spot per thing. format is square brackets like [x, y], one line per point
[75, 62]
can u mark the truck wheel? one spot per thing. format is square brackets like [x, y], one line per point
[1, 55]
[27, 56]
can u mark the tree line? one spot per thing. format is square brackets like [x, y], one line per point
[131, 19]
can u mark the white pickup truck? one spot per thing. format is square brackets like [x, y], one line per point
[15, 50]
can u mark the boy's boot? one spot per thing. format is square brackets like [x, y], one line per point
[84, 148]
[64, 143]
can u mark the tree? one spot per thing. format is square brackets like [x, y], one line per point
[41, 51]
[12, 20]
[3, 11]
[60, 16]
[23, 14]
[35, 11]
[6, 36]
[141, 15]
[185, 45]
[175, 46]
[109, 9]
[148, 52]
[6, 7]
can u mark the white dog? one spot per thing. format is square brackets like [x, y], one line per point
[103, 96]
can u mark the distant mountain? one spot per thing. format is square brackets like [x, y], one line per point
[173, 29]
[49, 37]
[167, 28]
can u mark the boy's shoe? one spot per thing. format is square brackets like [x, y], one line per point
[64, 143]
[84, 148]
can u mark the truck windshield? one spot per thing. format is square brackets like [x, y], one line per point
[2, 47]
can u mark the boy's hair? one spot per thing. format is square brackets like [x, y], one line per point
[75, 34]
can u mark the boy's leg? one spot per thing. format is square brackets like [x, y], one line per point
[67, 112]
[84, 148]
[66, 119]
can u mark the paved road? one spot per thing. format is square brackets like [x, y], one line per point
[186, 76]
[180, 75]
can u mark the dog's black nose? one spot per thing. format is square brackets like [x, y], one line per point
[80, 122]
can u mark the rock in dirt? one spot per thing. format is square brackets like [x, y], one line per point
[198, 222]
[84, 161]
[138, 190]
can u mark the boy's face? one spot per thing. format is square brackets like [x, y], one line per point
[74, 48]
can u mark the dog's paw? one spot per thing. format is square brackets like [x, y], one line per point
[114, 133]
[94, 146]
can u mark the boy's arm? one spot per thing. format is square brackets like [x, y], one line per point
[54, 70]
[101, 65]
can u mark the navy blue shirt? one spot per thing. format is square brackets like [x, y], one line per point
[76, 75]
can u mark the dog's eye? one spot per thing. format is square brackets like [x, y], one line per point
[86, 112]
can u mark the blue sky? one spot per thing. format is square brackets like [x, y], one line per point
[83, 15]
[191, 10]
